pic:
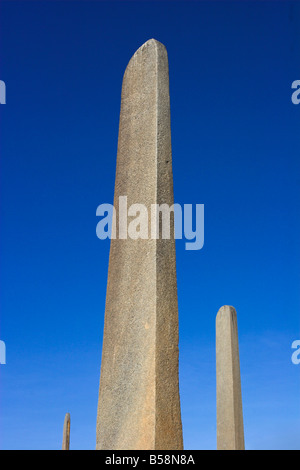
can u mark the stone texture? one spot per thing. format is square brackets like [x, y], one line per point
[139, 406]
[66, 433]
[230, 428]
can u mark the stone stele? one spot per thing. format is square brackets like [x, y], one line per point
[230, 428]
[66, 433]
[139, 405]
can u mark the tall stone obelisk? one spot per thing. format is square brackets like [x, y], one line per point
[139, 405]
[230, 427]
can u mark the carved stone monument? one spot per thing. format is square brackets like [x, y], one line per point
[139, 405]
[66, 433]
[230, 427]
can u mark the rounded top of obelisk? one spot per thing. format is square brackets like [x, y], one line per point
[151, 49]
[151, 42]
[227, 311]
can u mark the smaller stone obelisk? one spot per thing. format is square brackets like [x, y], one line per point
[66, 433]
[230, 427]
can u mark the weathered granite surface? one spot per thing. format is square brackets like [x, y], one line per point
[230, 428]
[139, 405]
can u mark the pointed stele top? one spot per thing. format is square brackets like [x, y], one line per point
[147, 52]
[151, 44]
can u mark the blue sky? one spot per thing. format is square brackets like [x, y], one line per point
[235, 141]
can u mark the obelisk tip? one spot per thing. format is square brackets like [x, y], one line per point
[226, 310]
[152, 49]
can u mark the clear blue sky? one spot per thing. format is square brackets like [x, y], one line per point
[236, 149]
